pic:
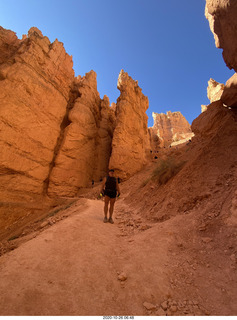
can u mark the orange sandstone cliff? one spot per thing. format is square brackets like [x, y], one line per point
[129, 145]
[79, 159]
[57, 134]
[168, 128]
[35, 85]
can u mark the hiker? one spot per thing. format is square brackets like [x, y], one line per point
[110, 189]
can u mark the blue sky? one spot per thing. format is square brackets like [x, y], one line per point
[166, 45]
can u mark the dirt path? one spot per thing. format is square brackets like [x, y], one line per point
[74, 266]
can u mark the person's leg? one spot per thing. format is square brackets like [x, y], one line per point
[111, 209]
[106, 207]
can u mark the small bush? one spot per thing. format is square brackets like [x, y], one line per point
[166, 169]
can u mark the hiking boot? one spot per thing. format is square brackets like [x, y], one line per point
[111, 220]
[105, 219]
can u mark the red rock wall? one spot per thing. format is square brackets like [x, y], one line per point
[129, 145]
[170, 127]
[35, 77]
[85, 148]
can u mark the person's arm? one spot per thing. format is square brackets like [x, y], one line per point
[103, 185]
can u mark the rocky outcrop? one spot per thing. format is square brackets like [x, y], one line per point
[204, 107]
[169, 127]
[208, 124]
[214, 90]
[35, 83]
[129, 144]
[9, 44]
[223, 23]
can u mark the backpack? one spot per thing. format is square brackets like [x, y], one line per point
[110, 183]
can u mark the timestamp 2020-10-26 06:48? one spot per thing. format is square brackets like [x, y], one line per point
[118, 317]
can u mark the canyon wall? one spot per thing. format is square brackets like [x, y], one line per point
[85, 148]
[129, 144]
[57, 134]
[221, 15]
[169, 127]
[35, 80]
[74, 162]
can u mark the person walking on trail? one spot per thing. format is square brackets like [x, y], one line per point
[110, 189]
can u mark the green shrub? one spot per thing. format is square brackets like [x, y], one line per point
[166, 169]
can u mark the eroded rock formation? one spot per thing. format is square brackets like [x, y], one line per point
[74, 162]
[84, 152]
[56, 131]
[214, 92]
[223, 23]
[129, 145]
[35, 82]
[169, 127]
[221, 15]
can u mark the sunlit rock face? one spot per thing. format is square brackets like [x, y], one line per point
[221, 15]
[214, 90]
[223, 23]
[170, 127]
[129, 145]
[85, 148]
[74, 162]
[35, 80]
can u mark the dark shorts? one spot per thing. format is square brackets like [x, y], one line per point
[110, 193]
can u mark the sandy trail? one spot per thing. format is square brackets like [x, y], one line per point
[72, 268]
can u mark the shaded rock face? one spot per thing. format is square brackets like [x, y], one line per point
[221, 15]
[169, 127]
[35, 83]
[208, 124]
[9, 44]
[129, 144]
[104, 138]
[154, 139]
